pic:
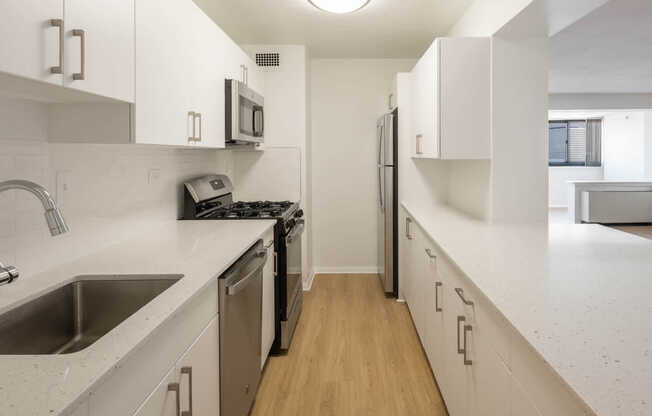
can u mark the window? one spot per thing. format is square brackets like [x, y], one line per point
[575, 142]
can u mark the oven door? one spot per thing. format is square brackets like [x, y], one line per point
[294, 269]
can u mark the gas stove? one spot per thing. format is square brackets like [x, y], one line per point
[211, 198]
[246, 210]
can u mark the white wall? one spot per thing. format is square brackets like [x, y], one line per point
[109, 198]
[558, 177]
[348, 97]
[623, 153]
[287, 136]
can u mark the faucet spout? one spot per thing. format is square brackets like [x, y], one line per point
[56, 223]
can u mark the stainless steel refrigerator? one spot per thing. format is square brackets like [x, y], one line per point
[387, 140]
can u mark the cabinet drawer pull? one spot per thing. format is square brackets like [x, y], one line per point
[418, 144]
[460, 319]
[467, 329]
[191, 118]
[198, 116]
[407, 228]
[460, 293]
[188, 370]
[437, 286]
[175, 388]
[59, 68]
[80, 76]
[429, 253]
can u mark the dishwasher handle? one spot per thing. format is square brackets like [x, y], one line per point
[258, 261]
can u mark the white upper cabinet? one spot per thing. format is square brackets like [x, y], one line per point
[99, 47]
[85, 45]
[30, 42]
[451, 100]
[179, 75]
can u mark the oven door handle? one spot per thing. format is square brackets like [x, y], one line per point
[297, 230]
[242, 283]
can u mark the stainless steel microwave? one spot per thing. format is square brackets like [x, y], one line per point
[245, 117]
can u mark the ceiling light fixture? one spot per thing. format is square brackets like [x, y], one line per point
[339, 6]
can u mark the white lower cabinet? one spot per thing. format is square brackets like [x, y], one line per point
[482, 365]
[269, 276]
[162, 401]
[193, 383]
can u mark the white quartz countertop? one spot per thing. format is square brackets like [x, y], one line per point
[580, 294]
[200, 250]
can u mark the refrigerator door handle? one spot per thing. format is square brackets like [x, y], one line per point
[381, 179]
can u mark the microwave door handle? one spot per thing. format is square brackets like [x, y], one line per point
[258, 132]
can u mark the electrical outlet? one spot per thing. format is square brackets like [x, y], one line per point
[153, 176]
[63, 186]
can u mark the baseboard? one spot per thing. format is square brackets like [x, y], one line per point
[345, 270]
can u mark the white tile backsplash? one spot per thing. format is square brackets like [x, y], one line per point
[109, 197]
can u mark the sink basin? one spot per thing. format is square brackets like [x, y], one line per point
[74, 316]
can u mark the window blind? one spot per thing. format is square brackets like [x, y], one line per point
[576, 141]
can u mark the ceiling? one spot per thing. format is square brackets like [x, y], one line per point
[382, 29]
[607, 51]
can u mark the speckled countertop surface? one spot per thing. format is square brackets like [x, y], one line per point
[200, 250]
[581, 295]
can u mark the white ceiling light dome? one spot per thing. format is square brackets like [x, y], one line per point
[339, 6]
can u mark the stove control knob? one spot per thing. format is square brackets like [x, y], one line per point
[299, 213]
[291, 223]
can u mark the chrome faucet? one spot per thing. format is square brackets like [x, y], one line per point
[56, 223]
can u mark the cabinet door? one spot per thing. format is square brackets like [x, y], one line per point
[30, 45]
[434, 312]
[198, 373]
[162, 401]
[465, 95]
[269, 276]
[417, 305]
[488, 380]
[453, 384]
[425, 105]
[208, 82]
[104, 54]
[165, 48]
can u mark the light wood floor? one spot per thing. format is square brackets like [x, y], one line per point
[355, 352]
[640, 230]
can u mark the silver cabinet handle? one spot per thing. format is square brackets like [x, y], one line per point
[175, 388]
[198, 117]
[275, 264]
[418, 144]
[429, 253]
[80, 76]
[467, 329]
[460, 319]
[268, 245]
[460, 293]
[242, 73]
[437, 286]
[389, 105]
[191, 115]
[246, 75]
[408, 220]
[188, 370]
[59, 68]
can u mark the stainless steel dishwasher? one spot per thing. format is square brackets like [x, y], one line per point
[240, 297]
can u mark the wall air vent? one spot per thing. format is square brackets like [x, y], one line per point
[268, 59]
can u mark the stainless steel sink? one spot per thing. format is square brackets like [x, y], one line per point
[74, 316]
